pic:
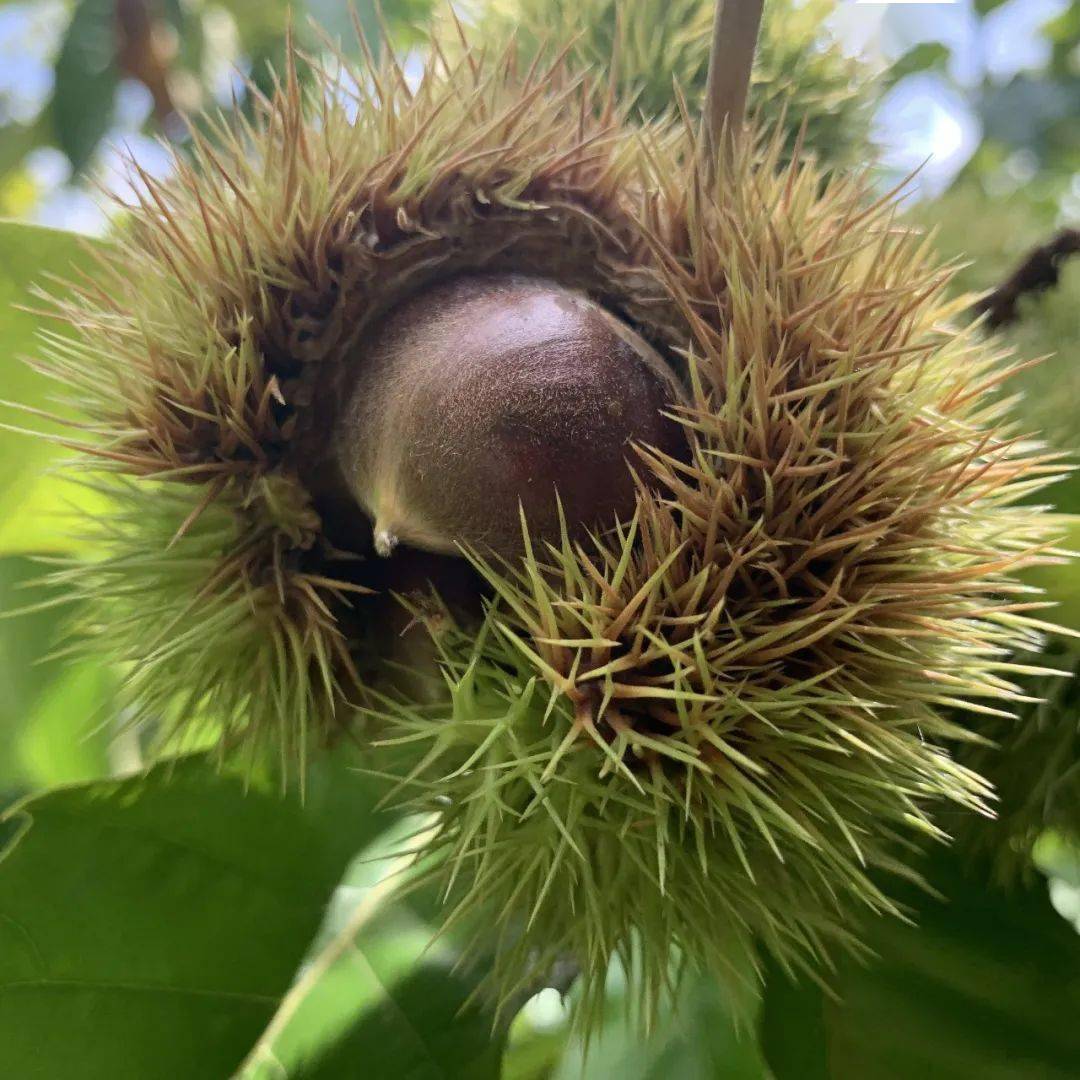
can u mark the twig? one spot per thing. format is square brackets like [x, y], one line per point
[1038, 271]
[735, 33]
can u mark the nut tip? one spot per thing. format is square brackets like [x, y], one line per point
[385, 542]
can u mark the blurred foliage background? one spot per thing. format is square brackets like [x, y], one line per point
[982, 97]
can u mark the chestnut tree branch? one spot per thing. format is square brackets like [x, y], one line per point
[1039, 270]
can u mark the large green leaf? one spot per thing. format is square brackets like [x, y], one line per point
[69, 734]
[50, 714]
[986, 984]
[25, 639]
[32, 503]
[150, 926]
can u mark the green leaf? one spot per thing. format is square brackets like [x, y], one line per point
[985, 985]
[151, 925]
[24, 640]
[86, 80]
[984, 7]
[399, 16]
[921, 57]
[1061, 583]
[50, 714]
[17, 140]
[381, 995]
[67, 737]
[33, 504]
[1064, 28]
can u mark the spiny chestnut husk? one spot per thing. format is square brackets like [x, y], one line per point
[705, 729]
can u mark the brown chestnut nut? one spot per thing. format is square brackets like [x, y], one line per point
[484, 394]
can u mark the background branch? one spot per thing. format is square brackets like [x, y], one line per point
[1038, 271]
